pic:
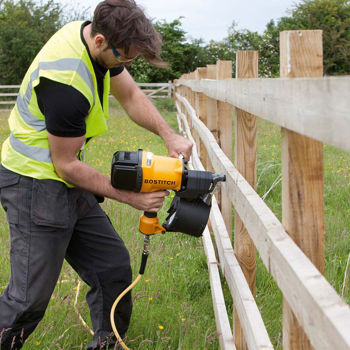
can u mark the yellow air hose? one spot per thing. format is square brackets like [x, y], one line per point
[132, 285]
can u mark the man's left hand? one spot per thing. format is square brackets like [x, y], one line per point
[178, 145]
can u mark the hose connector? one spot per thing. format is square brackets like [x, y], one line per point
[145, 252]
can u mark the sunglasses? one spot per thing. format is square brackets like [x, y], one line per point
[119, 56]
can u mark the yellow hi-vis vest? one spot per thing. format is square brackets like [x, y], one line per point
[64, 59]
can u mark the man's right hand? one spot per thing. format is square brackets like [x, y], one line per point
[152, 201]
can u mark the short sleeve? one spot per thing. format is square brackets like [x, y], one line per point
[64, 108]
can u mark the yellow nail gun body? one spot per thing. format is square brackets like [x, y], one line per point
[145, 172]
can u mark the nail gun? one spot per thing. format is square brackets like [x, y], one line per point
[143, 171]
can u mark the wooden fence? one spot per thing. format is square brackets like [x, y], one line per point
[151, 90]
[311, 110]
[156, 90]
[8, 98]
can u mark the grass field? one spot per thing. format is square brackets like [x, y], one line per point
[172, 303]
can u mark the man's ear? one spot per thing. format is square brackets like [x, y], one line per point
[100, 41]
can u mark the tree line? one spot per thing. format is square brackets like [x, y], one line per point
[26, 25]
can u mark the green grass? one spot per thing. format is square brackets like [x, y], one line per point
[175, 290]
[337, 221]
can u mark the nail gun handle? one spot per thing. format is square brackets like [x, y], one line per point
[150, 214]
[149, 224]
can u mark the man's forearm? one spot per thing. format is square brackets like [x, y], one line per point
[87, 178]
[141, 110]
[144, 113]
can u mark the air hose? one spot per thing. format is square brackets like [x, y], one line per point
[145, 253]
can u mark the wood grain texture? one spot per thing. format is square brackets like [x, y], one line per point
[252, 323]
[245, 162]
[192, 100]
[225, 130]
[314, 107]
[302, 172]
[324, 316]
[212, 111]
[222, 322]
[201, 110]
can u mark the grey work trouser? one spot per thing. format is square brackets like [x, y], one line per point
[49, 223]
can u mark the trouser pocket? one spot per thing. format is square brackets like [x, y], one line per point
[50, 204]
[9, 182]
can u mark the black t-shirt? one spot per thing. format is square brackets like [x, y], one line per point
[64, 107]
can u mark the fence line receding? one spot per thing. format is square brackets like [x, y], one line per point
[311, 110]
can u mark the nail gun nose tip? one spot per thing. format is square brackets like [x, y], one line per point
[222, 177]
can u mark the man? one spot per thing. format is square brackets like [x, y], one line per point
[49, 194]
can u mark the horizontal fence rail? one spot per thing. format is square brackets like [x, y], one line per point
[311, 110]
[314, 107]
[323, 314]
[254, 329]
[156, 90]
[8, 98]
[151, 90]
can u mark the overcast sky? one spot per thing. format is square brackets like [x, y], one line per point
[209, 19]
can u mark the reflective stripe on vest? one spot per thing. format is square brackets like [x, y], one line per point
[36, 153]
[62, 64]
[64, 59]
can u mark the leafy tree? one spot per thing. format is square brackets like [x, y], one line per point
[241, 40]
[333, 17]
[269, 52]
[217, 50]
[182, 56]
[24, 28]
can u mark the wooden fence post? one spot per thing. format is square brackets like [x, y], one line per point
[245, 162]
[224, 123]
[212, 112]
[302, 172]
[182, 92]
[169, 89]
[186, 94]
[193, 102]
[176, 90]
[201, 110]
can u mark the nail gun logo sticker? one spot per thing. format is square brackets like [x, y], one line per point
[159, 182]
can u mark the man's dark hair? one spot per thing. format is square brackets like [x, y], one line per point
[125, 25]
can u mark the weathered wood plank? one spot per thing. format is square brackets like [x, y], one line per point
[212, 110]
[10, 86]
[7, 102]
[321, 312]
[201, 110]
[153, 84]
[222, 322]
[314, 107]
[245, 162]
[253, 326]
[225, 131]
[302, 172]
[8, 94]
